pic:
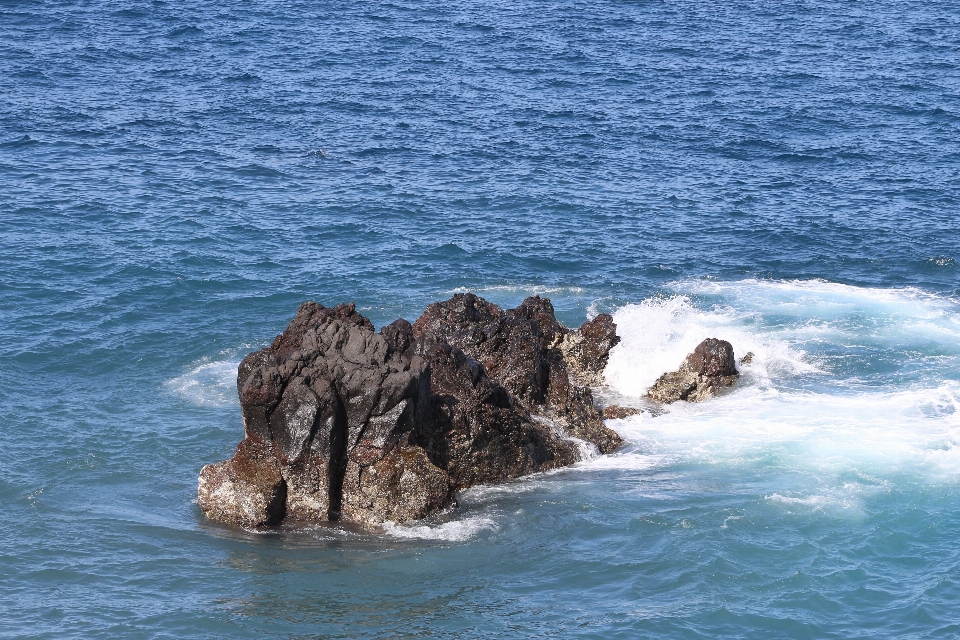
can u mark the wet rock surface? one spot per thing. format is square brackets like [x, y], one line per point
[616, 412]
[587, 350]
[704, 373]
[344, 423]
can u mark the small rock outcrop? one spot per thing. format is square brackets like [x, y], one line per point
[616, 412]
[704, 373]
[342, 422]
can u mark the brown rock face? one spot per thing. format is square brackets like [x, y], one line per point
[587, 350]
[246, 490]
[704, 373]
[616, 412]
[482, 435]
[332, 396]
[345, 423]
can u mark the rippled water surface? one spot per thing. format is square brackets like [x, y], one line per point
[176, 178]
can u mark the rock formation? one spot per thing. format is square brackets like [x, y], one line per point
[587, 350]
[704, 373]
[616, 412]
[345, 423]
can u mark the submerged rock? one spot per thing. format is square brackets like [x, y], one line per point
[704, 373]
[345, 423]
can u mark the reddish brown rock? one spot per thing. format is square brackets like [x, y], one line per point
[247, 490]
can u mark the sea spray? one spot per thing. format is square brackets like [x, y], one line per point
[803, 403]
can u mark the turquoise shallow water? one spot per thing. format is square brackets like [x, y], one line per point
[176, 178]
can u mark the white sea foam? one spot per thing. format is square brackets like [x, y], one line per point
[211, 383]
[841, 499]
[657, 335]
[821, 298]
[587, 450]
[877, 432]
[816, 502]
[488, 494]
[453, 531]
[628, 461]
[793, 405]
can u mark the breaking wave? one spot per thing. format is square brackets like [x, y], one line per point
[842, 378]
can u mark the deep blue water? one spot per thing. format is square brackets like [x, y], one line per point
[176, 178]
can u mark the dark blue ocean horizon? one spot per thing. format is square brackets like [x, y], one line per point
[176, 178]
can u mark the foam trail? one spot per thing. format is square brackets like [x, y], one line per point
[209, 384]
[878, 431]
[522, 289]
[454, 531]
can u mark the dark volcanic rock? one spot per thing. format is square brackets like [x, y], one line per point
[335, 404]
[482, 435]
[345, 423]
[520, 349]
[704, 373]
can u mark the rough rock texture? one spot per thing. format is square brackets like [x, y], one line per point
[616, 412]
[246, 490]
[482, 435]
[705, 372]
[520, 350]
[587, 350]
[345, 423]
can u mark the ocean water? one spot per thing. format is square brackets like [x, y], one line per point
[175, 178]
